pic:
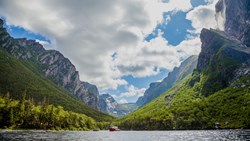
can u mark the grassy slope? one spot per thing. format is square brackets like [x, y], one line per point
[191, 110]
[16, 77]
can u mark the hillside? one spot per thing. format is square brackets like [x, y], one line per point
[16, 78]
[183, 107]
[157, 88]
[19, 75]
[217, 94]
[50, 63]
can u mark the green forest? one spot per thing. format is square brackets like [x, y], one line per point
[26, 114]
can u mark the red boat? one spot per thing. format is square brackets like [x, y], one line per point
[113, 128]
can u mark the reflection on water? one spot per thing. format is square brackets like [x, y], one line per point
[213, 135]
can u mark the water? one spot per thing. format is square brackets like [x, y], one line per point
[210, 135]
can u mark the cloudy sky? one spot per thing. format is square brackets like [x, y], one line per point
[119, 45]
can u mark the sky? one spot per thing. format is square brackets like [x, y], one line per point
[121, 46]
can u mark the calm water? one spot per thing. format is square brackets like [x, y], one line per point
[214, 135]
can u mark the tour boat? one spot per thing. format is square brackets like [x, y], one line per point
[113, 128]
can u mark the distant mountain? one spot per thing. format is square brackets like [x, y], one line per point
[157, 88]
[125, 108]
[51, 63]
[216, 95]
[44, 74]
[109, 105]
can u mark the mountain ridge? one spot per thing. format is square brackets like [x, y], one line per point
[51, 63]
[20, 71]
[157, 88]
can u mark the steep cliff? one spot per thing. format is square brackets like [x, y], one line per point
[108, 104]
[52, 64]
[222, 61]
[225, 55]
[157, 88]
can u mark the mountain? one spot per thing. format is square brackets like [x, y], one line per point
[157, 88]
[109, 105]
[216, 95]
[45, 75]
[52, 64]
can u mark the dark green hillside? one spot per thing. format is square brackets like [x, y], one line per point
[216, 95]
[16, 77]
[183, 107]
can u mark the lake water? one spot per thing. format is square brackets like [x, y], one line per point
[210, 135]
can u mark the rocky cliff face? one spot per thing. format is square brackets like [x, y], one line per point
[237, 18]
[222, 60]
[157, 88]
[225, 55]
[52, 64]
[108, 104]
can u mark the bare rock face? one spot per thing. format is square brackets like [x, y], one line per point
[237, 18]
[157, 88]
[222, 60]
[52, 64]
[92, 97]
[211, 42]
[108, 104]
[225, 55]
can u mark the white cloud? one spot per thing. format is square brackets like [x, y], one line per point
[122, 101]
[147, 58]
[203, 16]
[189, 47]
[88, 32]
[132, 91]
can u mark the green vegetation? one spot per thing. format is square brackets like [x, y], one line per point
[184, 107]
[24, 114]
[17, 76]
[127, 107]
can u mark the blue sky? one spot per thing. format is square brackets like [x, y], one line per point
[19, 32]
[118, 45]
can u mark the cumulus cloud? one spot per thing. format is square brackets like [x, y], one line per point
[132, 91]
[203, 16]
[148, 58]
[189, 47]
[88, 32]
[122, 101]
[131, 94]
